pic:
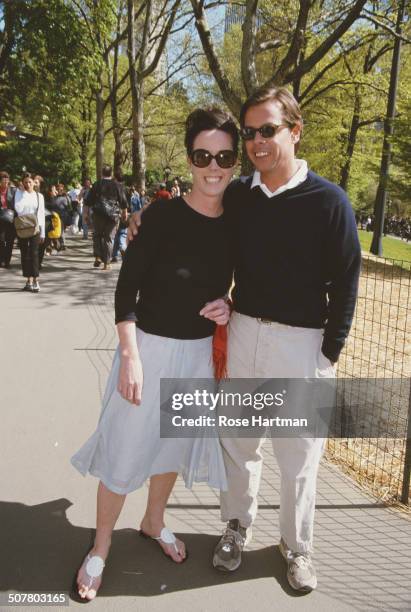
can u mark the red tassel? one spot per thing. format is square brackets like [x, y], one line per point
[220, 352]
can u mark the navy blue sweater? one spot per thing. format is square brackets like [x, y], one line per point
[297, 257]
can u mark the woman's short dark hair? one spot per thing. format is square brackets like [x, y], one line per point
[213, 118]
[27, 175]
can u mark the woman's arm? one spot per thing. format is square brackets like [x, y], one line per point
[138, 258]
[130, 380]
[41, 218]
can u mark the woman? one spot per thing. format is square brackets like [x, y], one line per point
[181, 264]
[7, 231]
[30, 202]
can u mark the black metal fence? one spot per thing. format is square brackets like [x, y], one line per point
[379, 347]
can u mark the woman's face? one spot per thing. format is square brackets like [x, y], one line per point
[28, 184]
[212, 180]
[4, 183]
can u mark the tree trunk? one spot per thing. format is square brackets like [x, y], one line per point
[99, 130]
[352, 138]
[381, 198]
[138, 151]
[139, 147]
[84, 158]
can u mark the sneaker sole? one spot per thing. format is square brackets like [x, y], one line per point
[223, 568]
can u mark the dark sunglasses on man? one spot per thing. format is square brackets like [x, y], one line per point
[268, 130]
[201, 158]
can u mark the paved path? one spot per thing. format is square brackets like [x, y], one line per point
[57, 348]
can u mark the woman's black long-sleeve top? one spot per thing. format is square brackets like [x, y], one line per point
[179, 261]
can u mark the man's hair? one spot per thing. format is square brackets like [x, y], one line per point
[290, 107]
[209, 119]
[4, 174]
[162, 185]
[27, 175]
[107, 170]
[37, 176]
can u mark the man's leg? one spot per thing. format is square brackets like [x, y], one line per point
[98, 240]
[109, 233]
[296, 353]
[242, 456]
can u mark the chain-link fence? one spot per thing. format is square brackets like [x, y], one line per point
[379, 347]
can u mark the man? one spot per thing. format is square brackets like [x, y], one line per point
[7, 231]
[296, 277]
[162, 193]
[109, 191]
[85, 216]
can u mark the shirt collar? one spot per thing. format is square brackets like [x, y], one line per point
[299, 177]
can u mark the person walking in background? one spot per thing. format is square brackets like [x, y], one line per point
[74, 194]
[162, 193]
[177, 189]
[30, 226]
[144, 199]
[63, 206]
[108, 201]
[135, 200]
[7, 229]
[85, 209]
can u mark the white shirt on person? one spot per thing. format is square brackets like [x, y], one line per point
[26, 203]
[298, 178]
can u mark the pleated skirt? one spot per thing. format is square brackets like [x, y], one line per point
[126, 448]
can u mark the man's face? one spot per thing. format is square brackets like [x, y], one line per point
[270, 154]
[87, 184]
[36, 182]
[60, 189]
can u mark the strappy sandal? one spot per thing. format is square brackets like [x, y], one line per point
[94, 569]
[168, 538]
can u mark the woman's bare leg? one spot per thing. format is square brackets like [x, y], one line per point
[109, 506]
[160, 489]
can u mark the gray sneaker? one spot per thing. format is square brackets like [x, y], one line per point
[227, 553]
[301, 573]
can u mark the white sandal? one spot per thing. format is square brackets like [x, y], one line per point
[94, 569]
[167, 537]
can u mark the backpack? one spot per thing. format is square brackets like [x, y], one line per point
[55, 232]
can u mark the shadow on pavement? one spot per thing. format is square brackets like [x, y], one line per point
[41, 551]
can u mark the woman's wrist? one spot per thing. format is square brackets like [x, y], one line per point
[129, 353]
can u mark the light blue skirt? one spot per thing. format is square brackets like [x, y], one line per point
[126, 448]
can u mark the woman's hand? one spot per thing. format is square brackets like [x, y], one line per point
[217, 311]
[130, 379]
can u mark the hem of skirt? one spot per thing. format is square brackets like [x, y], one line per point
[188, 480]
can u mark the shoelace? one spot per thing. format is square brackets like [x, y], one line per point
[300, 560]
[230, 537]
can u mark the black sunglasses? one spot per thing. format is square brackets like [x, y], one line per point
[202, 158]
[267, 130]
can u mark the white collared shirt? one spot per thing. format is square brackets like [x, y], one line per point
[299, 177]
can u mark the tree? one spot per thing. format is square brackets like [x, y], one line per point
[380, 201]
[143, 57]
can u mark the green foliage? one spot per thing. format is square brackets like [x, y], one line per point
[54, 160]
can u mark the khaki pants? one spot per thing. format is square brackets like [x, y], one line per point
[273, 350]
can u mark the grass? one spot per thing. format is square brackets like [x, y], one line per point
[392, 248]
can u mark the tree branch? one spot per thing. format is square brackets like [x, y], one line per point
[248, 49]
[324, 47]
[229, 96]
[297, 42]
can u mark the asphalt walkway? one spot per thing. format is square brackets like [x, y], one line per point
[56, 351]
